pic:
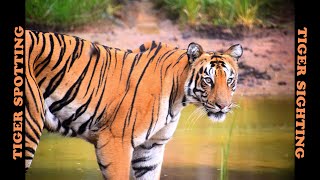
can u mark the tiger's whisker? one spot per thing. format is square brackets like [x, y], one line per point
[202, 114]
[192, 122]
[189, 120]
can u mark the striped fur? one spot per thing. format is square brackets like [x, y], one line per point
[126, 103]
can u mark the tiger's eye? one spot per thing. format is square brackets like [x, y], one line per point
[208, 81]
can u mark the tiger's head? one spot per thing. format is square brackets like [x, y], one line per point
[212, 79]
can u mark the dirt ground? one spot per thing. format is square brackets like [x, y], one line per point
[266, 66]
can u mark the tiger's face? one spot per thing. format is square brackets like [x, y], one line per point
[212, 79]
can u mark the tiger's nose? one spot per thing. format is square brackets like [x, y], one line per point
[221, 105]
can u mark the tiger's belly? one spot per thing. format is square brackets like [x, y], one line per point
[70, 120]
[79, 118]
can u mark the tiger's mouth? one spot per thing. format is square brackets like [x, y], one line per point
[217, 116]
[215, 113]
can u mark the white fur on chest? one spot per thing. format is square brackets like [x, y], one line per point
[165, 124]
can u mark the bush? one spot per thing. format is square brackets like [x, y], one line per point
[65, 14]
[228, 13]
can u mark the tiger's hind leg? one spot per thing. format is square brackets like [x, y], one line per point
[34, 114]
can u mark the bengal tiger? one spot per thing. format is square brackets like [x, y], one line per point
[126, 103]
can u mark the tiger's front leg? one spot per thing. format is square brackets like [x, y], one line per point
[114, 156]
[147, 160]
[148, 157]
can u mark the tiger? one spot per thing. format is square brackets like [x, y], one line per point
[126, 103]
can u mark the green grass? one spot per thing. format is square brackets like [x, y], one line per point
[225, 149]
[229, 13]
[65, 14]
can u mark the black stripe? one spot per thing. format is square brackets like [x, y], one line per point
[131, 70]
[172, 97]
[215, 56]
[46, 61]
[102, 72]
[34, 121]
[178, 60]
[109, 58]
[41, 81]
[98, 118]
[122, 65]
[151, 123]
[54, 82]
[31, 138]
[32, 151]
[82, 128]
[33, 96]
[71, 93]
[62, 52]
[184, 99]
[31, 45]
[207, 71]
[66, 130]
[102, 166]
[134, 123]
[141, 159]
[41, 51]
[161, 57]
[223, 64]
[191, 79]
[201, 70]
[140, 171]
[167, 68]
[58, 127]
[97, 107]
[75, 54]
[33, 130]
[157, 111]
[78, 113]
[152, 146]
[93, 71]
[125, 55]
[142, 48]
[153, 45]
[103, 145]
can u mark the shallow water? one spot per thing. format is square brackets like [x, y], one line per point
[261, 146]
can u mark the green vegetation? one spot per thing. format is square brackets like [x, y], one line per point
[226, 141]
[247, 13]
[225, 149]
[66, 13]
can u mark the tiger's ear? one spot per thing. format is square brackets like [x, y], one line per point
[235, 51]
[194, 51]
